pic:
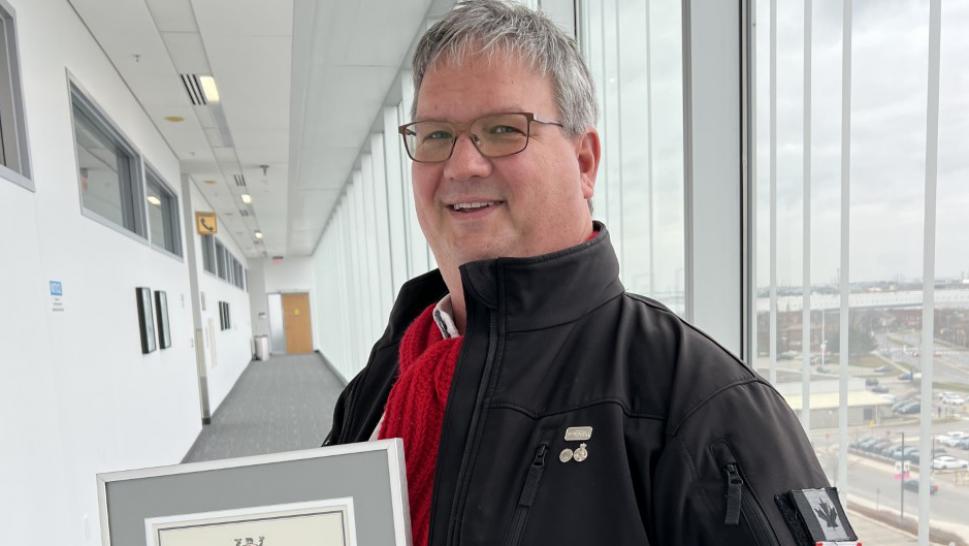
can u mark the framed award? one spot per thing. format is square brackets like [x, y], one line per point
[349, 495]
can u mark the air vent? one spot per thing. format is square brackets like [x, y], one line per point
[244, 213]
[240, 180]
[194, 89]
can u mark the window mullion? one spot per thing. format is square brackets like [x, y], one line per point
[844, 317]
[927, 351]
[772, 325]
[806, 235]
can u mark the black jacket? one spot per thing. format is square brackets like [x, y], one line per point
[554, 342]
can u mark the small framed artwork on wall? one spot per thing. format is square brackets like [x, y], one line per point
[161, 308]
[146, 320]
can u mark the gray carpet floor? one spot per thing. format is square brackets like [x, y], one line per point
[282, 404]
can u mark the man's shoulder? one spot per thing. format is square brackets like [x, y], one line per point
[698, 368]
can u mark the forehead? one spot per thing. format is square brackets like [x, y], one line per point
[460, 89]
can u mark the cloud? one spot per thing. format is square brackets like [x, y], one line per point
[888, 140]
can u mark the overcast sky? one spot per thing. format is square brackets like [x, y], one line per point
[888, 139]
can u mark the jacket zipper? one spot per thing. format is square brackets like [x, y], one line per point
[527, 497]
[741, 502]
[457, 502]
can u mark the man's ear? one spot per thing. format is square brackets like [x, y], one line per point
[588, 153]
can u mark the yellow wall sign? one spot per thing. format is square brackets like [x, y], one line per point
[206, 223]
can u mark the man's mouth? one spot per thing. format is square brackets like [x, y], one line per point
[472, 206]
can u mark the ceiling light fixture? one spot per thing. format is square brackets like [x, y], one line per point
[246, 198]
[154, 200]
[258, 235]
[209, 88]
[174, 119]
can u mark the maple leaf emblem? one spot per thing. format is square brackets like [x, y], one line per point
[828, 514]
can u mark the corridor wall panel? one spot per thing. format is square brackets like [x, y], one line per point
[80, 398]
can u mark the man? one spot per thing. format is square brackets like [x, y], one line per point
[540, 403]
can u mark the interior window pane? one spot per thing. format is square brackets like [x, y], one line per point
[104, 169]
[633, 48]
[887, 219]
[162, 211]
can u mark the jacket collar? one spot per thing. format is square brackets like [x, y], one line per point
[532, 293]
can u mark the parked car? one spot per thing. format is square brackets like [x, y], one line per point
[880, 389]
[910, 376]
[913, 485]
[951, 439]
[953, 399]
[948, 462]
[903, 453]
[903, 402]
[871, 381]
[909, 408]
[916, 458]
[963, 443]
[879, 446]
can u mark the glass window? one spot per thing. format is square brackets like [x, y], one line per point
[220, 260]
[208, 253]
[13, 134]
[108, 168]
[823, 321]
[634, 52]
[162, 214]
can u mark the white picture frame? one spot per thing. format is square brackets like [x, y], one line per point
[361, 487]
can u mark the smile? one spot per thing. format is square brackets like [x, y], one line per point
[473, 206]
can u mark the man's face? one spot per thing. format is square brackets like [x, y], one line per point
[536, 199]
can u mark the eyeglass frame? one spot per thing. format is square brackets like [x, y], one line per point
[528, 135]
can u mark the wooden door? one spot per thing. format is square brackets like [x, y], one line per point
[296, 323]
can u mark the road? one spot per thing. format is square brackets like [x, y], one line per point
[951, 364]
[874, 480]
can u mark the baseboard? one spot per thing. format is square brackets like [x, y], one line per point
[326, 361]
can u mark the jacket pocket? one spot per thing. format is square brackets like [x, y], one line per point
[740, 504]
[532, 480]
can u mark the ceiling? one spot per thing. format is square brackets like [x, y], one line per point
[301, 83]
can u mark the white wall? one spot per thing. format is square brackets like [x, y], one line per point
[79, 397]
[290, 275]
[226, 352]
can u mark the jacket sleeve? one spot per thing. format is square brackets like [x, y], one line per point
[339, 416]
[724, 465]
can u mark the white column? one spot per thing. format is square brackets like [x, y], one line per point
[928, 268]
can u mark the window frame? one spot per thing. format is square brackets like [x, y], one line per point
[220, 263]
[174, 213]
[135, 193]
[12, 104]
[208, 259]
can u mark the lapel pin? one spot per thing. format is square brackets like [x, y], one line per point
[580, 454]
[566, 455]
[578, 434]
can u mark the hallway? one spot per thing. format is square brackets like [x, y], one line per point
[282, 404]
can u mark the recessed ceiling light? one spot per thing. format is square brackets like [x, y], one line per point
[246, 198]
[209, 88]
[258, 235]
[174, 119]
[154, 200]
[210, 182]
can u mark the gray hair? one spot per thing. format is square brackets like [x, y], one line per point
[487, 26]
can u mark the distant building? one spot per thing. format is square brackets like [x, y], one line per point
[864, 406]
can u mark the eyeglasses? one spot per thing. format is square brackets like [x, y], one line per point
[495, 135]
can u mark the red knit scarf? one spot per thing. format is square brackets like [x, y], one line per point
[415, 410]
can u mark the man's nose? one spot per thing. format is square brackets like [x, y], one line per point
[466, 161]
